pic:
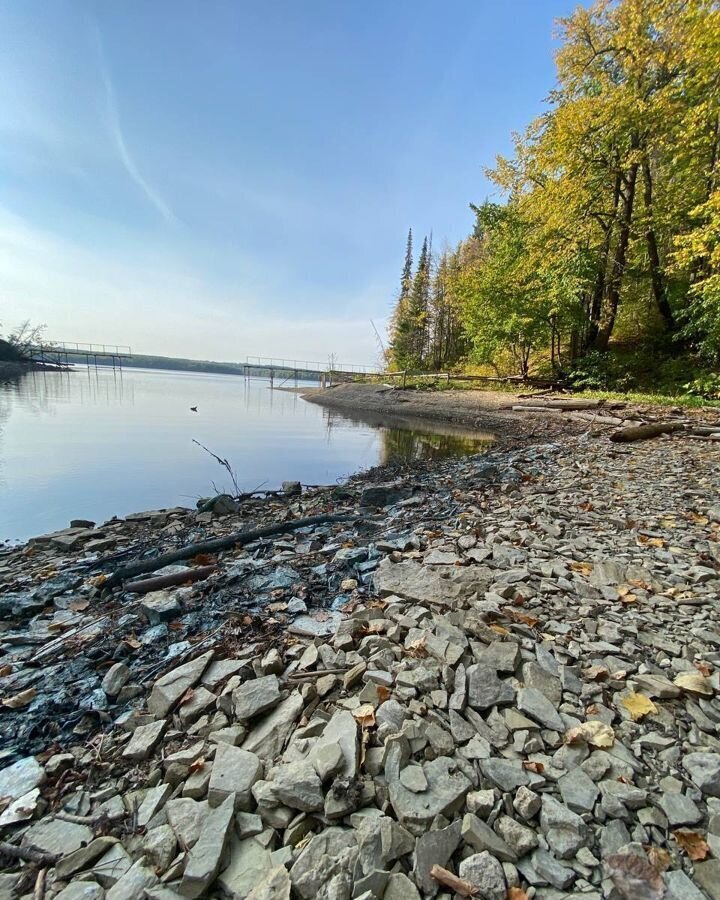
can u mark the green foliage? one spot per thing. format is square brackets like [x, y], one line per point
[708, 386]
[611, 221]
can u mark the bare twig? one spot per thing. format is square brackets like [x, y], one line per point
[225, 463]
[459, 885]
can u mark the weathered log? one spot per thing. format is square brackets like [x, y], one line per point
[236, 539]
[705, 429]
[163, 581]
[596, 418]
[28, 854]
[644, 432]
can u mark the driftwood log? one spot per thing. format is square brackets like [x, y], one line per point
[236, 539]
[163, 581]
[644, 432]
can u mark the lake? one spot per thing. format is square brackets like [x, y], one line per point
[94, 443]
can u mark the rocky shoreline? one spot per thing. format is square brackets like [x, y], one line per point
[499, 677]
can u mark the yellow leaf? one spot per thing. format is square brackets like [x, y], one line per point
[499, 629]
[638, 705]
[21, 699]
[594, 732]
[693, 683]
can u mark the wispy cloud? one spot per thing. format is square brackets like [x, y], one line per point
[116, 131]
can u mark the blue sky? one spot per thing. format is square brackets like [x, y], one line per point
[215, 179]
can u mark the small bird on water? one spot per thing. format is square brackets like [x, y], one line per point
[193, 409]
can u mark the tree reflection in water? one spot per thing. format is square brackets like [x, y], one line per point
[399, 445]
[405, 438]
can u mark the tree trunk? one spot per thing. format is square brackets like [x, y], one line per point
[656, 274]
[599, 289]
[612, 301]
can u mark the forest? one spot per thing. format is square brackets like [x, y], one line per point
[598, 261]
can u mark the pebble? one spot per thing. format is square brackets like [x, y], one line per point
[462, 705]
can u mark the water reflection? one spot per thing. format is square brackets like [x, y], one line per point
[93, 443]
[407, 438]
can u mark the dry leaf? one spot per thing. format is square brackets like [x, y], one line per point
[659, 858]
[202, 559]
[21, 699]
[499, 629]
[78, 605]
[704, 668]
[98, 581]
[536, 767]
[417, 648]
[634, 877]
[133, 642]
[584, 568]
[596, 733]
[596, 673]
[530, 621]
[365, 715]
[638, 705]
[692, 843]
[5, 670]
[383, 692]
[516, 893]
[186, 697]
[693, 683]
[197, 765]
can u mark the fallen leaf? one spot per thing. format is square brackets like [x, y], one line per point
[516, 893]
[499, 629]
[536, 767]
[133, 642]
[638, 705]
[594, 732]
[658, 857]
[78, 605]
[365, 715]
[98, 581]
[704, 668]
[584, 568]
[596, 673]
[383, 692]
[186, 697]
[692, 843]
[530, 621]
[417, 648]
[197, 765]
[202, 559]
[634, 877]
[21, 699]
[693, 683]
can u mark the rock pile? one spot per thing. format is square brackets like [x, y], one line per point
[518, 699]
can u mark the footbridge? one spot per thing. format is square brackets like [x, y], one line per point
[277, 369]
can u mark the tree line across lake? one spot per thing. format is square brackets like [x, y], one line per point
[602, 263]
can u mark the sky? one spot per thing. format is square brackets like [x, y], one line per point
[219, 178]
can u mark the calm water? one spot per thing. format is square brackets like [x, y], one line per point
[94, 443]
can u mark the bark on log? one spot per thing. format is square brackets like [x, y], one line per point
[163, 581]
[644, 432]
[236, 539]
